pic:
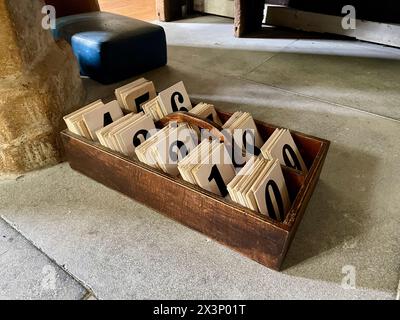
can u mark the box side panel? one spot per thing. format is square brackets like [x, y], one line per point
[226, 223]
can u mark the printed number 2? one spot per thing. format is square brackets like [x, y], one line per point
[216, 175]
[278, 197]
[177, 96]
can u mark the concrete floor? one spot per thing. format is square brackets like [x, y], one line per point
[342, 90]
[26, 273]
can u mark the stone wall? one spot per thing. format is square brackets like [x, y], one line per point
[39, 83]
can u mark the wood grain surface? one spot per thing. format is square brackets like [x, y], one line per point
[250, 233]
[139, 9]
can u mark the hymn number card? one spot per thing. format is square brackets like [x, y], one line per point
[175, 99]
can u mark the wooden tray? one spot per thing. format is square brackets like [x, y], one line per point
[252, 234]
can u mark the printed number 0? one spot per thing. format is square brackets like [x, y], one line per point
[295, 163]
[254, 151]
[216, 175]
[177, 96]
[278, 197]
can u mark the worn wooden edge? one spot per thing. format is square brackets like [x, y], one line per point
[286, 229]
[299, 206]
[183, 183]
[266, 240]
[376, 32]
[170, 10]
[293, 213]
[248, 16]
[309, 185]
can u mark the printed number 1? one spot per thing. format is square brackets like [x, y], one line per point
[216, 175]
[294, 161]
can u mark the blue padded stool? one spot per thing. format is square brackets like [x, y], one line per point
[110, 47]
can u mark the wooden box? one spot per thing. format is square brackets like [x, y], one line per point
[250, 233]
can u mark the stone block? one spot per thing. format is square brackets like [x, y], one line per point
[39, 83]
[10, 58]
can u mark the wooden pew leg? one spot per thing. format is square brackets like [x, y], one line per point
[248, 16]
[170, 10]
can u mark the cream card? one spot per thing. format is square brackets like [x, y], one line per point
[74, 120]
[207, 111]
[125, 88]
[134, 134]
[134, 98]
[174, 148]
[102, 116]
[215, 175]
[271, 194]
[285, 150]
[101, 134]
[175, 99]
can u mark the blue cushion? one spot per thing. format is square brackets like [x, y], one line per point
[111, 47]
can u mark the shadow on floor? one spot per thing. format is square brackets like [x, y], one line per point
[271, 32]
[338, 217]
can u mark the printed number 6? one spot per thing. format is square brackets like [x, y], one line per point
[177, 96]
[174, 156]
[136, 141]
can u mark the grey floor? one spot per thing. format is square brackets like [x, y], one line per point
[103, 244]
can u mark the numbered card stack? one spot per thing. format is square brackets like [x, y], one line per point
[86, 121]
[168, 147]
[209, 166]
[132, 96]
[206, 111]
[127, 133]
[260, 186]
[242, 168]
[170, 100]
[281, 146]
[245, 139]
